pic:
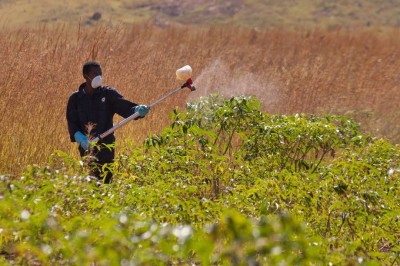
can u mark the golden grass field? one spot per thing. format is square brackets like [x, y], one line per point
[316, 71]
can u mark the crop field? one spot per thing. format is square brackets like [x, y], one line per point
[286, 154]
[225, 184]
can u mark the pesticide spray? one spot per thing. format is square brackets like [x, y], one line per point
[218, 77]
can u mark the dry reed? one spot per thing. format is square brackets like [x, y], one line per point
[320, 71]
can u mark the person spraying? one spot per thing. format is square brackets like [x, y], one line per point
[90, 111]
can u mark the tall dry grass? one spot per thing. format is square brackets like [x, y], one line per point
[354, 72]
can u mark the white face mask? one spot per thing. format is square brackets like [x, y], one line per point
[96, 82]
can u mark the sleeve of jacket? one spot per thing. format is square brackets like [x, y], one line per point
[120, 105]
[72, 117]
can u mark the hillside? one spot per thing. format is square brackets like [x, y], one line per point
[252, 13]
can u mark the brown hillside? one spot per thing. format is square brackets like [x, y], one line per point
[293, 14]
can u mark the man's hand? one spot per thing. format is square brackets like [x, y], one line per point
[142, 110]
[82, 140]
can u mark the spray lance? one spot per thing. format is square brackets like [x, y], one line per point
[182, 74]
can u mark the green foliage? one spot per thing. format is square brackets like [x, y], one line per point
[225, 184]
[301, 142]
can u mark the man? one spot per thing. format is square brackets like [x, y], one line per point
[90, 112]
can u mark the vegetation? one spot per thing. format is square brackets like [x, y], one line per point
[224, 184]
[320, 71]
[301, 169]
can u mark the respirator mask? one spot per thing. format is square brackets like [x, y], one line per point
[96, 82]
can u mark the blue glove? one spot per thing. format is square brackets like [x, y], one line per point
[82, 140]
[142, 110]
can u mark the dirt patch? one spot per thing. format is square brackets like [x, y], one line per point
[176, 8]
[225, 8]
